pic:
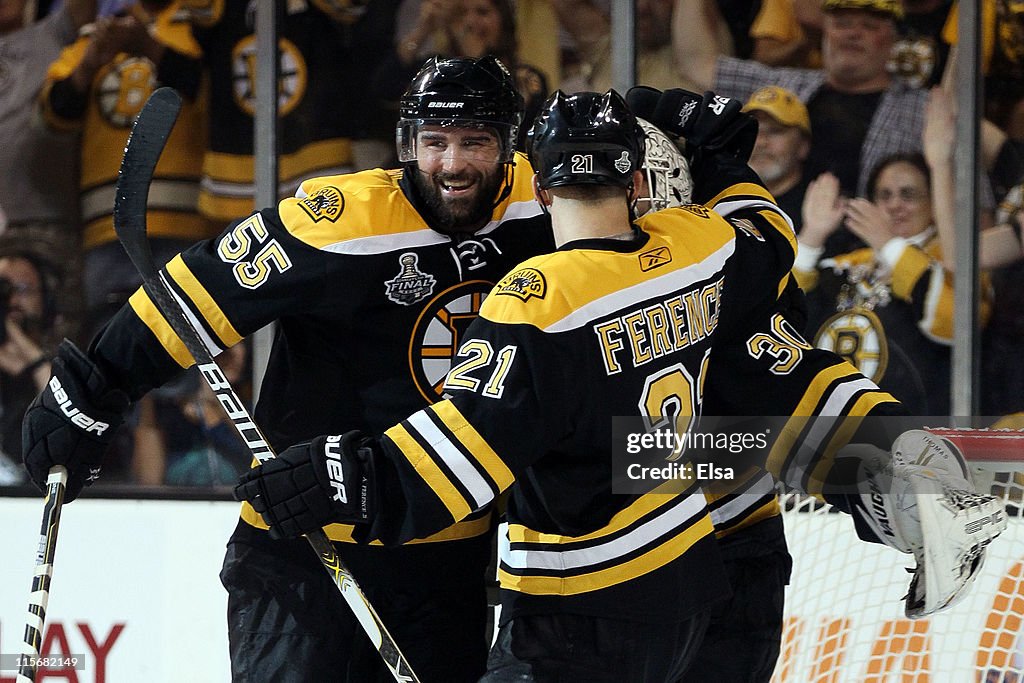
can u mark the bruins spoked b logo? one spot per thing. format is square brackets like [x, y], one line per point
[439, 332]
[856, 335]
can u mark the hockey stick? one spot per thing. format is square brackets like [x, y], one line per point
[30, 654]
[144, 147]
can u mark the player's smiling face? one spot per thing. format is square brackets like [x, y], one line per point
[460, 173]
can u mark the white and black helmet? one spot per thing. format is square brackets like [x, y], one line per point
[665, 170]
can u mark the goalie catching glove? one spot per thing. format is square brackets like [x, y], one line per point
[313, 484]
[710, 123]
[921, 501]
[72, 421]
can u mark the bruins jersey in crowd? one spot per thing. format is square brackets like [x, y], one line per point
[891, 315]
[371, 305]
[601, 328]
[318, 94]
[104, 114]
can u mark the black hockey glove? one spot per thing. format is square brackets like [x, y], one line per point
[310, 485]
[710, 123]
[72, 421]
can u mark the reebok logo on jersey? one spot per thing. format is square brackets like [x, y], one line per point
[659, 256]
[523, 283]
[335, 472]
[77, 417]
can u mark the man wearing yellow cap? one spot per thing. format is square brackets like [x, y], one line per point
[783, 142]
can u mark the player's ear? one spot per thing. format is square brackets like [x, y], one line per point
[542, 196]
[634, 189]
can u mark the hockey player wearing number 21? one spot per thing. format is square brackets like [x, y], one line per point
[595, 586]
[373, 278]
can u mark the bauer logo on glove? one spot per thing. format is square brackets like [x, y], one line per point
[72, 421]
[76, 416]
[310, 485]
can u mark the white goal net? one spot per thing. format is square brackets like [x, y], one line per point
[844, 608]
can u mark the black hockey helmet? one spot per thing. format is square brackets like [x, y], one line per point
[585, 139]
[464, 92]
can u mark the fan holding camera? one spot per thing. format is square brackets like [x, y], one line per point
[26, 326]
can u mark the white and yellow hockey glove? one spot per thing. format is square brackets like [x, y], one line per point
[921, 500]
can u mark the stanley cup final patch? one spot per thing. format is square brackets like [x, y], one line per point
[411, 284]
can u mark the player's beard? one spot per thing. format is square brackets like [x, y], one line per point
[465, 214]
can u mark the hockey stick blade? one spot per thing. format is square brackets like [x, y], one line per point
[33, 641]
[130, 223]
[142, 151]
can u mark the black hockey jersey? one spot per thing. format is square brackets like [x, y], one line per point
[371, 303]
[565, 342]
[320, 105]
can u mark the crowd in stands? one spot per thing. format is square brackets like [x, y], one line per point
[856, 140]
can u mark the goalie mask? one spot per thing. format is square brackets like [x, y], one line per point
[464, 93]
[585, 139]
[666, 173]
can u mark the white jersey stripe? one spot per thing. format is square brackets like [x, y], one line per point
[382, 244]
[660, 527]
[454, 458]
[740, 505]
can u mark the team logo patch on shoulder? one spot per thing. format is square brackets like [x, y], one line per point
[411, 284]
[652, 258]
[523, 283]
[748, 228]
[327, 203]
[697, 209]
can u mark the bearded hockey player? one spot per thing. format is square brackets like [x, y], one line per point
[373, 279]
[595, 586]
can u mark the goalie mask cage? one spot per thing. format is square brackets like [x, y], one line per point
[844, 617]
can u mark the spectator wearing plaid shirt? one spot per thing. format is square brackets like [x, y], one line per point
[859, 113]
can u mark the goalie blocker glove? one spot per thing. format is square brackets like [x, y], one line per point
[921, 501]
[313, 484]
[709, 123]
[72, 421]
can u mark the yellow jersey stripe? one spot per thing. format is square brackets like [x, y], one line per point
[643, 506]
[152, 318]
[474, 444]
[740, 190]
[804, 409]
[344, 533]
[654, 559]
[204, 303]
[431, 474]
[769, 509]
